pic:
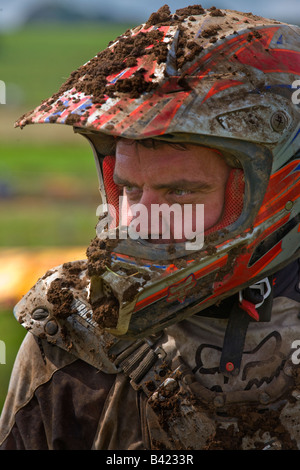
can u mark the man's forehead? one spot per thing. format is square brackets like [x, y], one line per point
[152, 143]
[174, 170]
[127, 146]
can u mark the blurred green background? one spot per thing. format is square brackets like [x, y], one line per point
[48, 183]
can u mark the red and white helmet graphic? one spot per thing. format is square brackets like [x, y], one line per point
[217, 78]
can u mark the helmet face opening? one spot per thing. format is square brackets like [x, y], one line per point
[241, 202]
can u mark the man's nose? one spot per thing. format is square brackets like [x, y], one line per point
[152, 225]
[150, 197]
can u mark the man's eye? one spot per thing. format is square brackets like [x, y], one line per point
[181, 192]
[128, 188]
[131, 190]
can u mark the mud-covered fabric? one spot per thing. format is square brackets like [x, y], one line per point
[56, 401]
[254, 409]
[202, 408]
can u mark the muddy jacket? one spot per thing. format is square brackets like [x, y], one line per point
[57, 400]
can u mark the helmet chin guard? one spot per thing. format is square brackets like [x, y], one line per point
[215, 78]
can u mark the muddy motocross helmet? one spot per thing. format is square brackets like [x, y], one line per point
[217, 78]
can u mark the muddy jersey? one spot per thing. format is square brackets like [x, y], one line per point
[57, 401]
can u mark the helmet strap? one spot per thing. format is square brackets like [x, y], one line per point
[249, 307]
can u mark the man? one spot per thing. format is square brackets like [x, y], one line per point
[158, 342]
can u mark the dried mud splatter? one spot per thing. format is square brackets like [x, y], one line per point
[60, 293]
[99, 78]
[99, 257]
[93, 77]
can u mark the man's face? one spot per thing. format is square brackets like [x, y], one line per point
[172, 175]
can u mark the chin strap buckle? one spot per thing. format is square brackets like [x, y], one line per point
[255, 297]
[244, 308]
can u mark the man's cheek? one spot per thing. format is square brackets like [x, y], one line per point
[212, 213]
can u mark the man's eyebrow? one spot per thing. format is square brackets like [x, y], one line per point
[122, 182]
[185, 184]
[177, 184]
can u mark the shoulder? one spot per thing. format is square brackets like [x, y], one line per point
[50, 385]
[57, 311]
[34, 366]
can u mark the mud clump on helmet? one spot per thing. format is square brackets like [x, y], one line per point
[134, 86]
[162, 15]
[99, 255]
[60, 293]
[216, 12]
[183, 13]
[93, 77]
[60, 296]
[106, 312]
[106, 308]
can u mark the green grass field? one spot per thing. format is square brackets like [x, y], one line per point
[48, 183]
[51, 195]
[12, 334]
